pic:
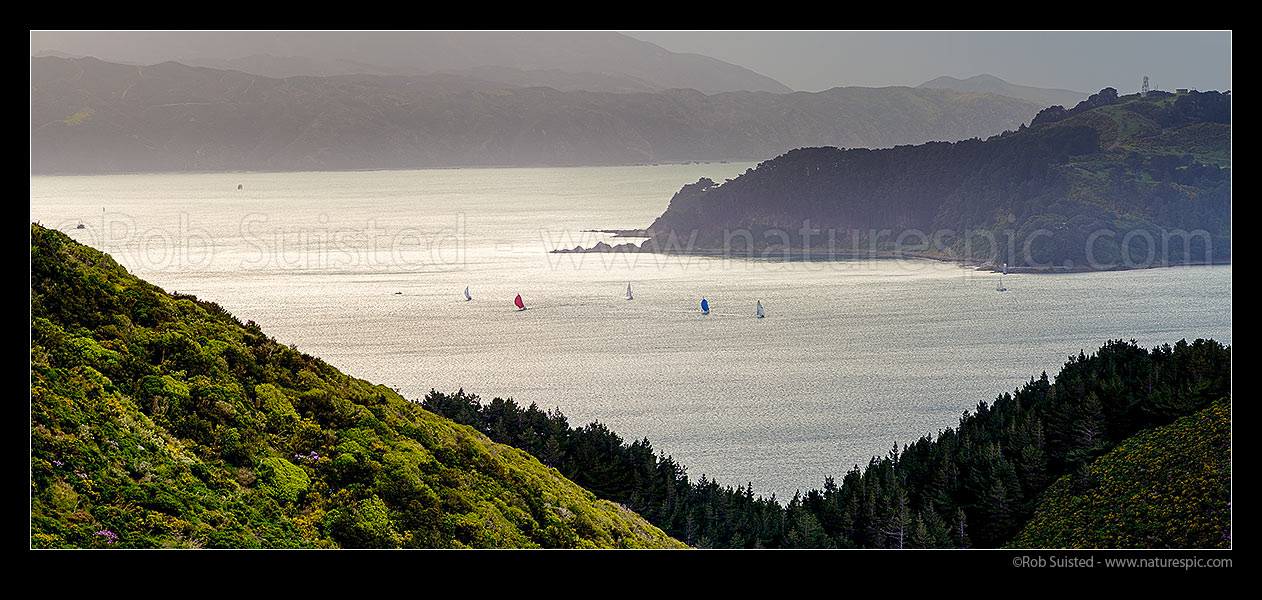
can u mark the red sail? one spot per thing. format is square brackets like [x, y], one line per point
[518, 302]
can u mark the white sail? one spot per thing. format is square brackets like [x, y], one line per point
[760, 313]
[1001, 288]
[628, 291]
[467, 297]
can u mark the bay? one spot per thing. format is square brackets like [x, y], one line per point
[367, 270]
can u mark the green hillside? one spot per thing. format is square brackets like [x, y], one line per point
[160, 420]
[1115, 182]
[1169, 487]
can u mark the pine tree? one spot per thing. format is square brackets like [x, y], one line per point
[806, 532]
[937, 532]
[899, 522]
[959, 531]
[1088, 435]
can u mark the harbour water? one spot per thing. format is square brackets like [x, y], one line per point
[367, 271]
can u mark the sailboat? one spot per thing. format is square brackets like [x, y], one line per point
[705, 307]
[1001, 288]
[520, 305]
[467, 297]
[629, 292]
[759, 312]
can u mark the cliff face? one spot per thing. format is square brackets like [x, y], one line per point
[160, 420]
[1112, 183]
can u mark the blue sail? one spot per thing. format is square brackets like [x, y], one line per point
[705, 306]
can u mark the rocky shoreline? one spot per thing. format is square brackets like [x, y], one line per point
[814, 255]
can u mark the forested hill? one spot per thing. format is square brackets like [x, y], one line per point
[1115, 182]
[90, 116]
[160, 420]
[1087, 459]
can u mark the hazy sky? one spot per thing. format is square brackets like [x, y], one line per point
[1083, 61]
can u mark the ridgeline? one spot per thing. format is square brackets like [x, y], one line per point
[90, 117]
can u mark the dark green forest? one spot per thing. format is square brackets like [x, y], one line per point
[1113, 183]
[972, 486]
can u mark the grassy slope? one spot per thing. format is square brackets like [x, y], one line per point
[162, 421]
[1168, 487]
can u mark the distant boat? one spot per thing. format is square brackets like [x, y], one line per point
[467, 297]
[1001, 288]
[705, 307]
[398, 293]
[629, 292]
[760, 313]
[239, 186]
[80, 226]
[1005, 268]
[520, 305]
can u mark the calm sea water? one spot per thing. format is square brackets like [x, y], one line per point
[367, 270]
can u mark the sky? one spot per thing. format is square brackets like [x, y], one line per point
[1081, 61]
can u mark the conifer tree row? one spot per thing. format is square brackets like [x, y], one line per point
[974, 485]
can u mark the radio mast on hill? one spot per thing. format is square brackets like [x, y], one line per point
[1143, 92]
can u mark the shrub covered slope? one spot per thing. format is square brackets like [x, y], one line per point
[160, 420]
[1165, 488]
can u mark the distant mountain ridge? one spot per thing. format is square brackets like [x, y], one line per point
[989, 84]
[90, 116]
[601, 55]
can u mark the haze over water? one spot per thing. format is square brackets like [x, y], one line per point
[367, 270]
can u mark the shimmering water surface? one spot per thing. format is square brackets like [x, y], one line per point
[367, 270]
